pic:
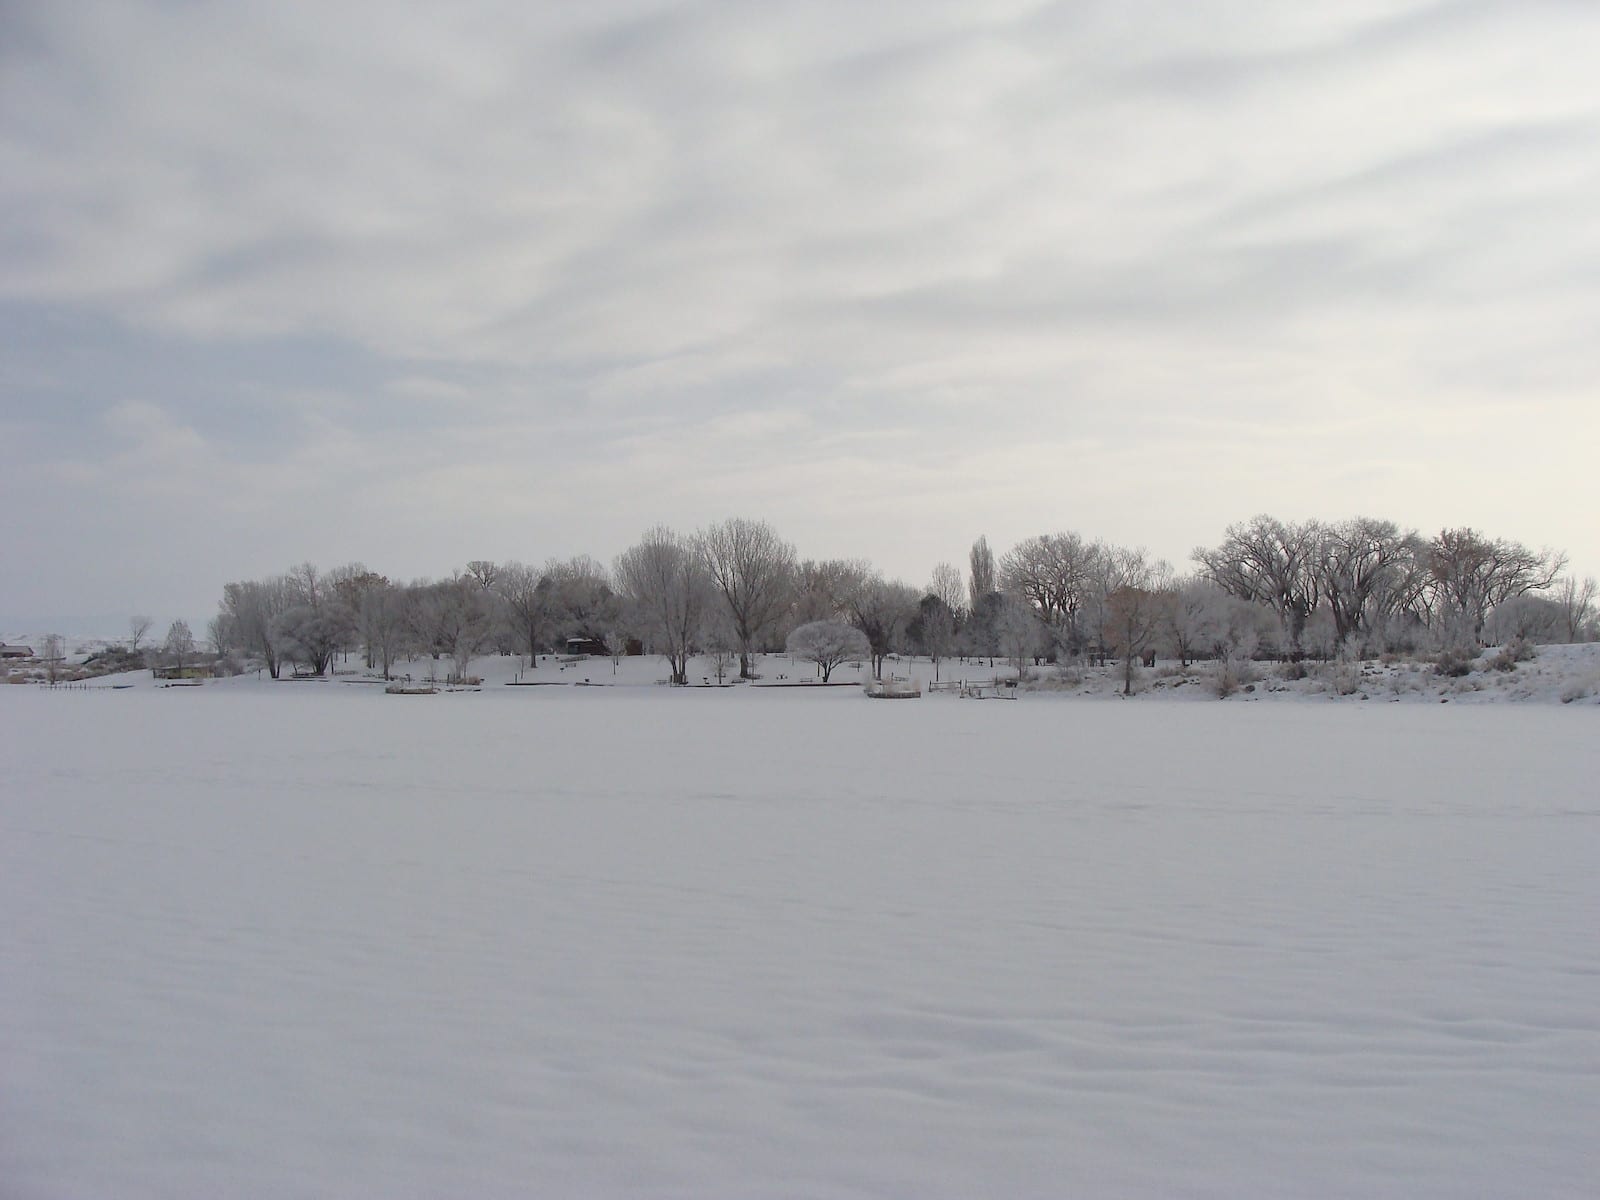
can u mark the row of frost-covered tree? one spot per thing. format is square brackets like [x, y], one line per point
[736, 589]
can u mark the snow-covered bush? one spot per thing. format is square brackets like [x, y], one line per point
[1232, 673]
[1580, 689]
[1059, 679]
[1400, 682]
[1534, 618]
[1452, 663]
[1345, 678]
[115, 659]
[229, 665]
[828, 643]
[1518, 649]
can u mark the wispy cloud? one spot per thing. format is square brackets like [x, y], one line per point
[565, 270]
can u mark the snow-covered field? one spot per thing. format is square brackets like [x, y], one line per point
[1556, 674]
[308, 940]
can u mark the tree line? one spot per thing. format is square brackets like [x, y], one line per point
[736, 589]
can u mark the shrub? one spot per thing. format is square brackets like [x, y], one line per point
[1403, 681]
[1295, 669]
[1453, 663]
[1060, 680]
[1518, 649]
[1347, 677]
[1234, 672]
[1580, 689]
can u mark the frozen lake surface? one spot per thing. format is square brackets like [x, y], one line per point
[295, 942]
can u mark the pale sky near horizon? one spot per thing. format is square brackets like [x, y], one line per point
[417, 284]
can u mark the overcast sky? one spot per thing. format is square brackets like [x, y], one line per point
[284, 281]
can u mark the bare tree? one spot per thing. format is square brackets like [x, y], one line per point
[585, 605]
[947, 585]
[1536, 619]
[1194, 619]
[1577, 601]
[1018, 631]
[470, 619]
[1117, 568]
[314, 643]
[980, 633]
[1398, 600]
[425, 625]
[347, 586]
[828, 643]
[306, 583]
[1469, 574]
[1133, 617]
[616, 644]
[1268, 561]
[753, 569]
[1365, 568]
[880, 610]
[138, 627]
[1244, 625]
[311, 636]
[384, 624]
[821, 588]
[719, 642]
[1058, 574]
[179, 646]
[483, 572]
[934, 627]
[217, 636]
[664, 577]
[248, 608]
[981, 581]
[55, 653]
[346, 580]
[453, 618]
[529, 594]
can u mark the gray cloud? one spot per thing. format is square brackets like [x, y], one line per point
[507, 279]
